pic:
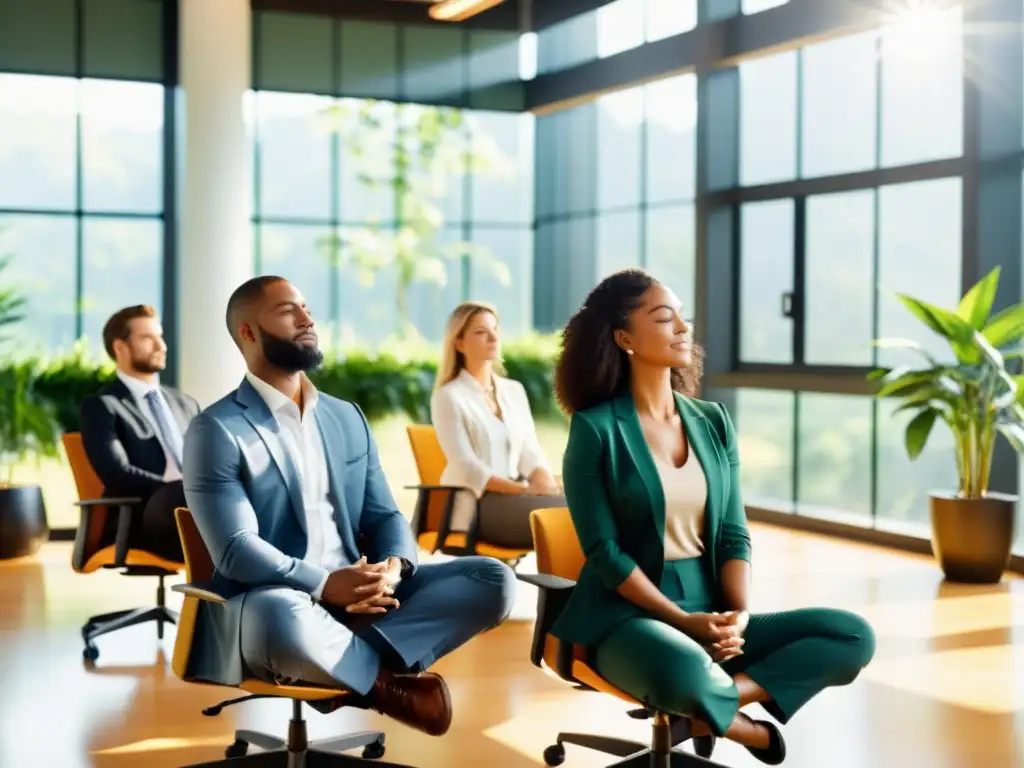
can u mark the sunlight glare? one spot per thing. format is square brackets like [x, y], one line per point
[921, 32]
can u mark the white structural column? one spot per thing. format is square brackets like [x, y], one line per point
[215, 188]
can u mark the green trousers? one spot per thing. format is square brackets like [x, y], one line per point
[793, 655]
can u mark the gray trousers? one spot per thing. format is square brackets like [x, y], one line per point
[289, 639]
[504, 519]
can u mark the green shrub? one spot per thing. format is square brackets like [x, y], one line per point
[395, 380]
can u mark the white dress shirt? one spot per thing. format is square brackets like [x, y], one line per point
[303, 442]
[477, 444]
[139, 389]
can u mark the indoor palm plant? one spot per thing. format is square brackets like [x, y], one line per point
[979, 397]
[27, 428]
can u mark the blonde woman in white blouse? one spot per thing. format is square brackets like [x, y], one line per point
[486, 431]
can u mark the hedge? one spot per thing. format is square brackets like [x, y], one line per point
[388, 382]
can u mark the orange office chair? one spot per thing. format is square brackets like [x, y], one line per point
[100, 515]
[432, 519]
[296, 750]
[559, 561]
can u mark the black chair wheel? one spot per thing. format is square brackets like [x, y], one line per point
[90, 652]
[554, 755]
[213, 711]
[238, 749]
[374, 751]
[640, 714]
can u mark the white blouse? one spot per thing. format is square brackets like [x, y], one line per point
[477, 444]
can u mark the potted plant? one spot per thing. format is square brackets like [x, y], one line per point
[27, 427]
[978, 398]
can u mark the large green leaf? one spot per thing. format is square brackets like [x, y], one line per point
[1007, 327]
[976, 305]
[957, 331]
[918, 430]
[907, 379]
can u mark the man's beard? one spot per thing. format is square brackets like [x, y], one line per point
[146, 365]
[288, 355]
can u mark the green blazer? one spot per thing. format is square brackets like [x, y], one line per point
[617, 505]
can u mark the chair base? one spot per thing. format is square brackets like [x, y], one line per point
[311, 758]
[105, 623]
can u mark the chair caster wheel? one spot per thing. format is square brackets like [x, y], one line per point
[374, 751]
[90, 652]
[640, 714]
[212, 711]
[238, 749]
[554, 755]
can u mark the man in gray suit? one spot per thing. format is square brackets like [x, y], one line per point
[318, 564]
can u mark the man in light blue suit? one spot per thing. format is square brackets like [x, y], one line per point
[318, 564]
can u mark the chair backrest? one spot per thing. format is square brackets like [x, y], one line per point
[87, 481]
[430, 464]
[89, 535]
[556, 544]
[198, 567]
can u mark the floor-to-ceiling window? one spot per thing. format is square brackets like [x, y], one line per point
[393, 173]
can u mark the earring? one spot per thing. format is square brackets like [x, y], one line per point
[629, 351]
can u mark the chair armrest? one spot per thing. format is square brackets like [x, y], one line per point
[114, 501]
[552, 597]
[124, 505]
[435, 488]
[203, 590]
[445, 524]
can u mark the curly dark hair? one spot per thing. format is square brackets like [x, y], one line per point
[591, 367]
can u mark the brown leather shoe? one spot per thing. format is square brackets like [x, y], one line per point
[420, 701]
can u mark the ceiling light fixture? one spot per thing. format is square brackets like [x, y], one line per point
[459, 10]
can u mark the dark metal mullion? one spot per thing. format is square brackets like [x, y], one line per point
[737, 292]
[467, 177]
[170, 293]
[80, 224]
[80, 212]
[795, 475]
[875, 265]
[799, 301]
[257, 234]
[334, 266]
[644, 149]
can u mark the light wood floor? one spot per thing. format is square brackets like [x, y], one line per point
[946, 688]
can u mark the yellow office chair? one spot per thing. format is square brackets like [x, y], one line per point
[433, 517]
[296, 752]
[102, 540]
[559, 561]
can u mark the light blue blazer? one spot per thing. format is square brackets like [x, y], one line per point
[243, 490]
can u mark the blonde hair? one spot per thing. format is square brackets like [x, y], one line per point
[453, 361]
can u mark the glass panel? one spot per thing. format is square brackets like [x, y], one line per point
[922, 86]
[368, 150]
[766, 275]
[618, 242]
[670, 17]
[834, 445]
[123, 265]
[435, 141]
[436, 285]
[122, 146]
[764, 424]
[839, 286]
[567, 44]
[904, 485]
[295, 52]
[513, 248]
[38, 153]
[301, 255]
[37, 37]
[367, 299]
[840, 111]
[369, 60]
[122, 39]
[619, 121]
[919, 242]
[768, 122]
[42, 269]
[620, 26]
[494, 63]
[502, 190]
[433, 65]
[671, 249]
[671, 126]
[295, 155]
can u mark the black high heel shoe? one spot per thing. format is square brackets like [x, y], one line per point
[775, 752]
[704, 746]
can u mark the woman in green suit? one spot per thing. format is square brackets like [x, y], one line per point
[651, 476]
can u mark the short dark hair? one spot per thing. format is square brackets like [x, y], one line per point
[119, 326]
[242, 299]
[591, 368]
